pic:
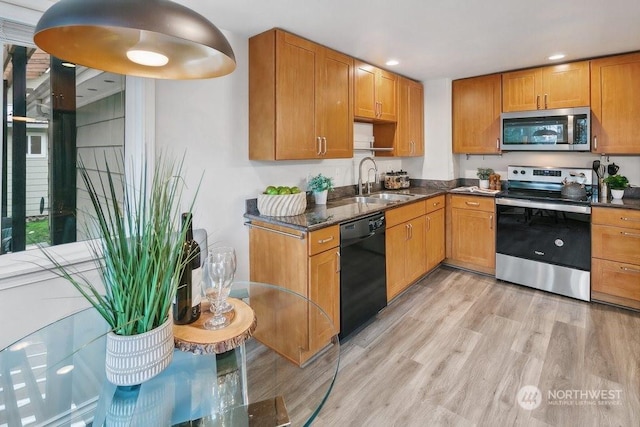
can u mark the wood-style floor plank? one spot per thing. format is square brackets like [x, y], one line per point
[456, 348]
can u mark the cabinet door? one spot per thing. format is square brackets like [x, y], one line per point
[365, 91]
[615, 282]
[565, 85]
[416, 118]
[473, 237]
[395, 246]
[387, 95]
[415, 257]
[476, 115]
[434, 238]
[521, 90]
[615, 104]
[295, 98]
[324, 290]
[334, 110]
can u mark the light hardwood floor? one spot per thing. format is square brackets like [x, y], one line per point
[456, 348]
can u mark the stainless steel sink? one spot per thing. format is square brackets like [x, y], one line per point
[367, 200]
[391, 197]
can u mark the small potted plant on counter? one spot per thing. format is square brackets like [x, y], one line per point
[483, 175]
[617, 184]
[320, 185]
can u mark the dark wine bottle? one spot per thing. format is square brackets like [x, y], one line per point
[186, 306]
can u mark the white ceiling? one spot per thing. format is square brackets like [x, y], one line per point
[438, 38]
[443, 38]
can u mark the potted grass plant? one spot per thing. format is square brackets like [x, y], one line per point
[483, 176]
[138, 250]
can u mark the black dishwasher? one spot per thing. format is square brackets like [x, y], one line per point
[363, 283]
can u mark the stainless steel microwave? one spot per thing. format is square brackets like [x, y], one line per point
[566, 129]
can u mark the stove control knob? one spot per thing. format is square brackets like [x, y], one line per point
[515, 172]
[522, 172]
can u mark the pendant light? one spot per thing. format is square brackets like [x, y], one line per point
[147, 38]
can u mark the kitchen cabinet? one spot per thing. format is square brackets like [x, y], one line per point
[476, 105]
[405, 246]
[406, 138]
[435, 231]
[376, 93]
[615, 104]
[300, 99]
[306, 263]
[471, 232]
[556, 86]
[615, 252]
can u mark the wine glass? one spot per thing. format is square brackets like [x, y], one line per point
[219, 270]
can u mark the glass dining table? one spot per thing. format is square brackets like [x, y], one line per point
[56, 377]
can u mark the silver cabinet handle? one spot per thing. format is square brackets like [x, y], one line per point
[490, 222]
[411, 231]
[328, 239]
[324, 140]
[428, 223]
[624, 218]
[497, 143]
[380, 110]
[595, 142]
[338, 267]
[545, 101]
[633, 270]
[624, 233]
[472, 203]
[436, 203]
[537, 102]
[319, 145]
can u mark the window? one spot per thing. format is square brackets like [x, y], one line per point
[36, 146]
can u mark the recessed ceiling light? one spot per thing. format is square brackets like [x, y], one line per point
[392, 62]
[557, 56]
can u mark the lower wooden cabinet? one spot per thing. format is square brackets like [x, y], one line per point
[405, 247]
[308, 264]
[471, 233]
[615, 252]
[434, 237]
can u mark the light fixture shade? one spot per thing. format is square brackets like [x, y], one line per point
[99, 33]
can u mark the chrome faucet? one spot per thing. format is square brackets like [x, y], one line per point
[375, 169]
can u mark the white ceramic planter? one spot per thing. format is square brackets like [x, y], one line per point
[321, 197]
[134, 359]
[617, 194]
[484, 183]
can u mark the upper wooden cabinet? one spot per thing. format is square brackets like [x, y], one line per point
[406, 137]
[476, 115]
[615, 104]
[300, 99]
[557, 86]
[376, 92]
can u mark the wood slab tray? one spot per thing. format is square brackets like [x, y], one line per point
[196, 339]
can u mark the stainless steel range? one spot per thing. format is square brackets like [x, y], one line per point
[543, 234]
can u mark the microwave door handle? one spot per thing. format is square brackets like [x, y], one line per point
[570, 122]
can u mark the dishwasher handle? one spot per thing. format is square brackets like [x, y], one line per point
[348, 242]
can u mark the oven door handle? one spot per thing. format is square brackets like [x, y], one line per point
[525, 203]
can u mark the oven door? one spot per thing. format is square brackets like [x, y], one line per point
[544, 245]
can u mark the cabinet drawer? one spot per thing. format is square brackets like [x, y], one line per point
[616, 279]
[434, 203]
[323, 239]
[405, 213]
[615, 244]
[478, 203]
[627, 218]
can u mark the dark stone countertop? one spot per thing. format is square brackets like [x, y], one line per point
[625, 203]
[337, 211]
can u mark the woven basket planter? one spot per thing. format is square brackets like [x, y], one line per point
[134, 359]
[282, 205]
